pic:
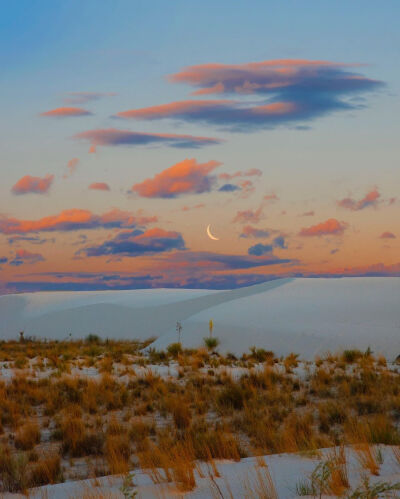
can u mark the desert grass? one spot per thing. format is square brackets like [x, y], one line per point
[123, 413]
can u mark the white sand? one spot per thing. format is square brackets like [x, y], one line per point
[236, 478]
[306, 316]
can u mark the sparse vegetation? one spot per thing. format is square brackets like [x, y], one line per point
[78, 409]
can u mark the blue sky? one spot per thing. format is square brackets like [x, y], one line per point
[128, 48]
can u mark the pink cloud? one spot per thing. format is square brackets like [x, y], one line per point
[330, 227]
[115, 137]
[75, 219]
[185, 177]
[26, 257]
[387, 235]
[370, 199]
[29, 184]
[271, 198]
[65, 112]
[248, 216]
[173, 109]
[249, 231]
[252, 172]
[71, 167]
[99, 186]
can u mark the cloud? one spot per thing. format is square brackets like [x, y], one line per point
[194, 207]
[289, 91]
[260, 249]
[137, 243]
[248, 216]
[219, 261]
[252, 172]
[387, 235]
[308, 214]
[26, 257]
[29, 239]
[370, 199]
[252, 232]
[99, 186]
[71, 167]
[84, 97]
[263, 249]
[66, 112]
[229, 188]
[185, 177]
[331, 227]
[233, 114]
[29, 184]
[271, 198]
[115, 137]
[279, 242]
[74, 219]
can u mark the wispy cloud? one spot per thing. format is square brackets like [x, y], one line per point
[84, 97]
[71, 167]
[115, 137]
[290, 91]
[99, 186]
[249, 216]
[74, 219]
[66, 112]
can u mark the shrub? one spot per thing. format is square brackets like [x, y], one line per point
[93, 339]
[45, 471]
[174, 349]
[211, 343]
[27, 436]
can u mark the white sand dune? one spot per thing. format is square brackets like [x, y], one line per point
[306, 316]
[235, 479]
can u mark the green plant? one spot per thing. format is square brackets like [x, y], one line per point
[211, 343]
[174, 349]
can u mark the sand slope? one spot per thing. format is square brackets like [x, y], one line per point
[307, 316]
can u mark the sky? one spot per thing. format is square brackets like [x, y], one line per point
[129, 127]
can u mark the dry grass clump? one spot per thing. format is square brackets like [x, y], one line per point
[27, 436]
[77, 440]
[217, 407]
[45, 471]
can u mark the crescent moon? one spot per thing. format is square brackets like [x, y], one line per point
[210, 235]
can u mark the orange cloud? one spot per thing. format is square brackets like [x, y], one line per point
[370, 199]
[75, 219]
[173, 109]
[99, 186]
[29, 184]
[65, 112]
[71, 167]
[185, 177]
[330, 227]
